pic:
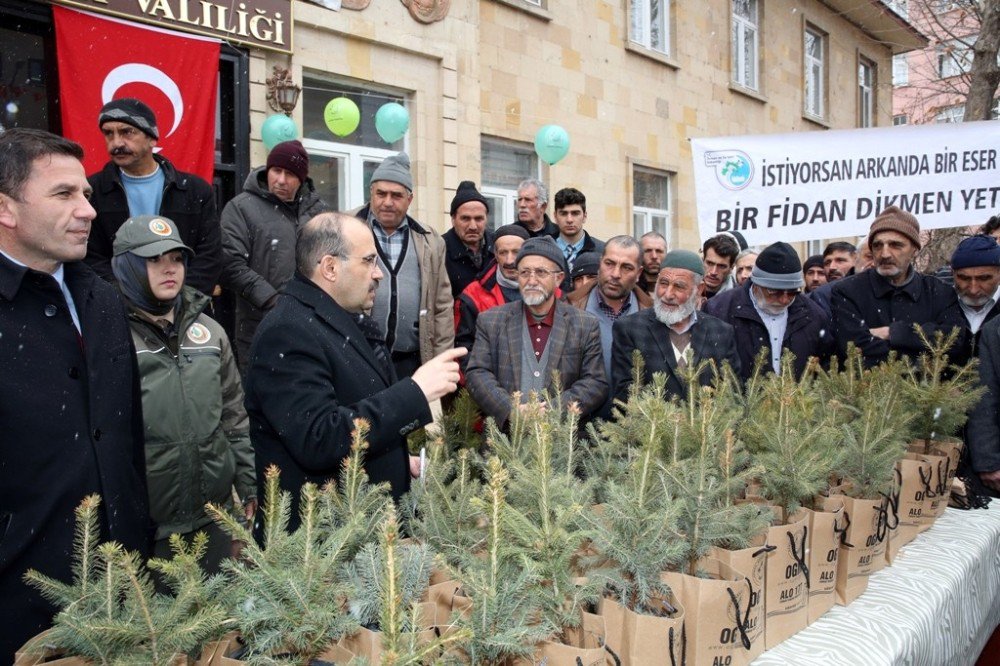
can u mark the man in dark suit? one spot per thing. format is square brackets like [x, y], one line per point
[319, 362]
[521, 344]
[770, 311]
[672, 334]
[70, 411]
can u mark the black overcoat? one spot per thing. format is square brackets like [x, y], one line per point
[70, 426]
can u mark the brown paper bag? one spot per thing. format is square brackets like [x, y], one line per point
[367, 644]
[637, 639]
[718, 616]
[215, 653]
[825, 527]
[447, 598]
[37, 650]
[951, 449]
[786, 580]
[862, 544]
[907, 502]
[752, 563]
[584, 645]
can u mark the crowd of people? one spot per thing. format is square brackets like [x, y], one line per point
[117, 380]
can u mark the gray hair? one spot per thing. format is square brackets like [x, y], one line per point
[320, 236]
[543, 192]
[747, 252]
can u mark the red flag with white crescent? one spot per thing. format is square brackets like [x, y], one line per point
[101, 59]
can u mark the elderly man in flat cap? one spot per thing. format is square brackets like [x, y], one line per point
[520, 346]
[672, 335]
[877, 309]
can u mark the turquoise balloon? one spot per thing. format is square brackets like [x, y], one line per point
[278, 128]
[551, 143]
[391, 121]
[341, 116]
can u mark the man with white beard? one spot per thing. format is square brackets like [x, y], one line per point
[672, 335]
[770, 311]
[521, 346]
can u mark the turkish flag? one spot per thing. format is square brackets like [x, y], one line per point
[102, 59]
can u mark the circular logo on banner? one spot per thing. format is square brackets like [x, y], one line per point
[198, 334]
[160, 227]
[734, 170]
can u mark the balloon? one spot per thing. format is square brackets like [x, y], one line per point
[341, 116]
[278, 128]
[552, 143]
[392, 120]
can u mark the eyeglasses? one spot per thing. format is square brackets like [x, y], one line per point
[778, 293]
[540, 273]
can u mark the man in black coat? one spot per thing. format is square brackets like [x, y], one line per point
[70, 412]
[770, 311]
[138, 182]
[468, 244]
[672, 334]
[975, 266]
[877, 309]
[318, 363]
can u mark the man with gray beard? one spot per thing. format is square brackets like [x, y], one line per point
[672, 335]
[522, 346]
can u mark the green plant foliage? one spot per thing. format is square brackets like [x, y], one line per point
[506, 620]
[789, 435]
[939, 394]
[439, 511]
[458, 423]
[290, 594]
[110, 613]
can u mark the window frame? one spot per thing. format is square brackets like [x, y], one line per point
[644, 41]
[740, 26]
[506, 197]
[809, 63]
[867, 92]
[955, 55]
[900, 70]
[642, 216]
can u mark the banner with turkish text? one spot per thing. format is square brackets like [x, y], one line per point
[101, 59]
[832, 184]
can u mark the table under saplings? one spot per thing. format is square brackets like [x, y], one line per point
[937, 604]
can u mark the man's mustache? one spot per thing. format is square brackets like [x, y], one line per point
[120, 150]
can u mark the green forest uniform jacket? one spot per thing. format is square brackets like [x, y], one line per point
[197, 432]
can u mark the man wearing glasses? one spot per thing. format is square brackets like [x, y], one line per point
[769, 311]
[520, 346]
[877, 309]
[319, 362]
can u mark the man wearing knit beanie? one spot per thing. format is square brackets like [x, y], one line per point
[259, 230]
[814, 273]
[523, 348]
[672, 335]
[468, 242]
[878, 308]
[975, 265]
[414, 304]
[137, 181]
[770, 312]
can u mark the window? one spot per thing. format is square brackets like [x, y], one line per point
[901, 7]
[505, 164]
[866, 93]
[943, 6]
[815, 73]
[744, 43]
[901, 119]
[954, 58]
[950, 114]
[341, 167]
[649, 26]
[652, 203]
[900, 70]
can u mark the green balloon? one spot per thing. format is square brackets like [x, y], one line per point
[278, 128]
[341, 116]
[391, 122]
[552, 143]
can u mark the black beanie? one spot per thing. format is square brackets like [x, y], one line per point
[815, 261]
[132, 112]
[511, 230]
[465, 193]
[778, 267]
